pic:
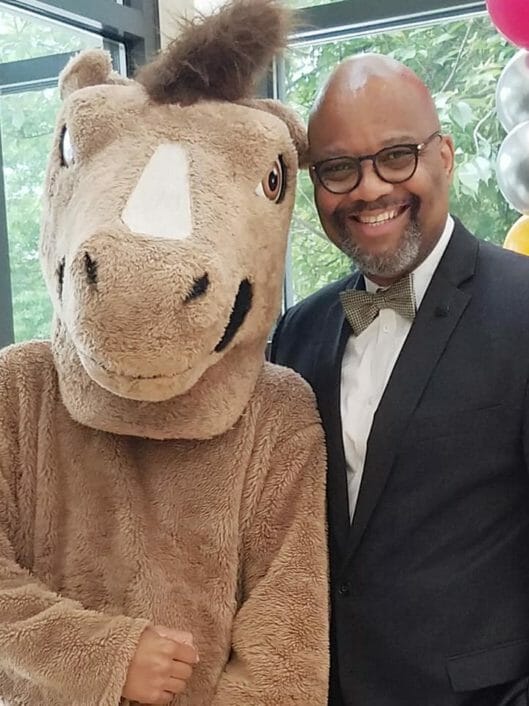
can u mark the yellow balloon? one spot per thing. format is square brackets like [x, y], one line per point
[517, 238]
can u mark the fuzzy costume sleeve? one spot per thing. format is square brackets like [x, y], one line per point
[280, 634]
[78, 655]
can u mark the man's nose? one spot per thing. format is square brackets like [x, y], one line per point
[371, 186]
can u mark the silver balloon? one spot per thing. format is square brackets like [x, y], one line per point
[512, 168]
[512, 92]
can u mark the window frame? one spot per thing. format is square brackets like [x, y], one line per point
[134, 24]
[345, 19]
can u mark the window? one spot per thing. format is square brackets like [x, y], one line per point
[460, 59]
[34, 48]
[450, 43]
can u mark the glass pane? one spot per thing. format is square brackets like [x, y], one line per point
[27, 36]
[206, 7]
[27, 118]
[461, 62]
[27, 121]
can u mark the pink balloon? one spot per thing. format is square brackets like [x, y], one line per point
[511, 18]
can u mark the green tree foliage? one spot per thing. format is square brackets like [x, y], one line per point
[27, 119]
[461, 62]
[27, 123]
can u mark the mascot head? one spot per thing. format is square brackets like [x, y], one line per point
[166, 213]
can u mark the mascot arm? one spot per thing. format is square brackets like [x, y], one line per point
[280, 633]
[47, 640]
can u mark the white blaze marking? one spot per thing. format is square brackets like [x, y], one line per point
[160, 205]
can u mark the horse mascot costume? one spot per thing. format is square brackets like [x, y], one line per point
[162, 535]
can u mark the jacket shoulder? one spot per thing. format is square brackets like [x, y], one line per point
[304, 324]
[515, 264]
[494, 258]
[317, 303]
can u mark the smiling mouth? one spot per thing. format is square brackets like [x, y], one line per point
[381, 217]
[241, 306]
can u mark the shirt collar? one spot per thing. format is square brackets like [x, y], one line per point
[423, 273]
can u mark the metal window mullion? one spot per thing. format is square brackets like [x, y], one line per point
[7, 333]
[339, 19]
[100, 16]
[142, 49]
[32, 74]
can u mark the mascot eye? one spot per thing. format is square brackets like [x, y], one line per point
[67, 151]
[274, 184]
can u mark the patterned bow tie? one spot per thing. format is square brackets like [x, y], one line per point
[361, 307]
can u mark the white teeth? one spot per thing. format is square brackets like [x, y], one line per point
[381, 218]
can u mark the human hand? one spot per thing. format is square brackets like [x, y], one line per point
[161, 666]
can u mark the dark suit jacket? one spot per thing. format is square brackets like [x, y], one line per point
[430, 584]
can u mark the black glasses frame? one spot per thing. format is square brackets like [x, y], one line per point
[415, 148]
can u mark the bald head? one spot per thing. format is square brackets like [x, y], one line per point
[373, 79]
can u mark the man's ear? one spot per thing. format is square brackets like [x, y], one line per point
[91, 67]
[297, 129]
[448, 155]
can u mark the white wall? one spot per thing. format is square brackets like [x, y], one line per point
[170, 10]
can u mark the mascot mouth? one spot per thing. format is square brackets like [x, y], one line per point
[241, 306]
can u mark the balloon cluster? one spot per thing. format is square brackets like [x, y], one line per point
[511, 18]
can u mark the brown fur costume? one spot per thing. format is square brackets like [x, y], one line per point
[153, 469]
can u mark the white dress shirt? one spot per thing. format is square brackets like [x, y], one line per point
[367, 364]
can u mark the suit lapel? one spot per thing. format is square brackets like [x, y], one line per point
[327, 373]
[438, 315]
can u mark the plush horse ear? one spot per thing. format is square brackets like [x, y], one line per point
[296, 127]
[91, 67]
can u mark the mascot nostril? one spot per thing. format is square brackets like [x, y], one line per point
[60, 277]
[241, 307]
[200, 286]
[90, 267]
[172, 482]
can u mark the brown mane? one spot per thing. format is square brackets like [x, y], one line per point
[219, 57]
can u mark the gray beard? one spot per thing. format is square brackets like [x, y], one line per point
[386, 265]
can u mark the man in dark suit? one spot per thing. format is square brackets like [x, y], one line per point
[424, 395]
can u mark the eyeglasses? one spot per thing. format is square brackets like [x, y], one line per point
[393, 165]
